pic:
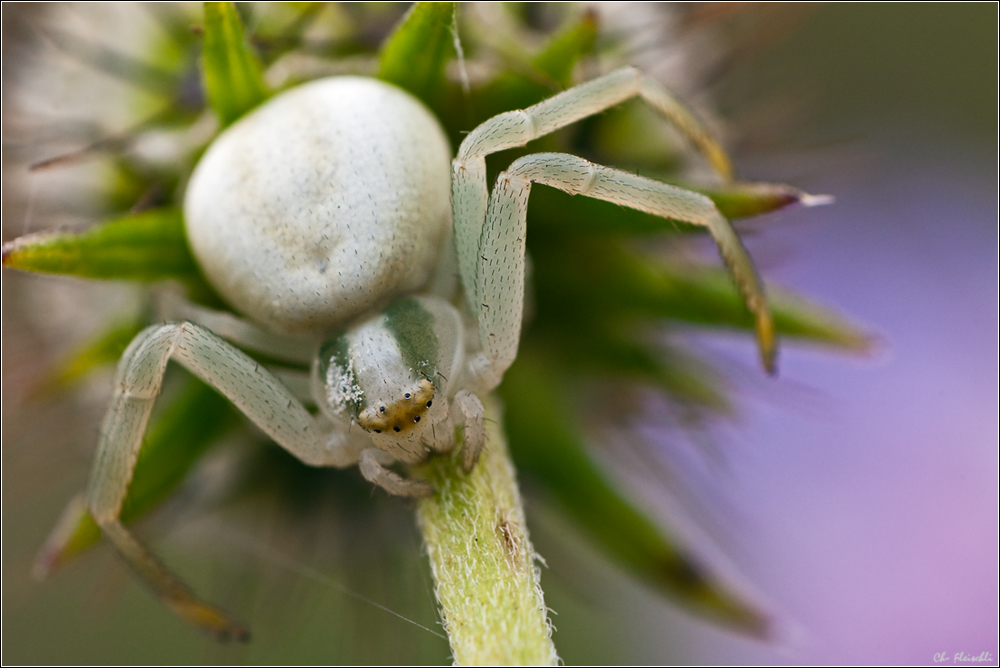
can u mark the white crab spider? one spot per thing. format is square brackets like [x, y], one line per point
[324, 217]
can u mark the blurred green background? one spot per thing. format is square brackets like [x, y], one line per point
[859, 499]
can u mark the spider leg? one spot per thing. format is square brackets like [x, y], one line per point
[499, 272]
[517, 128]
[173, 306]
[495, 294]
[251, 387]
[442, 438]
[375, 473]
[474, 417]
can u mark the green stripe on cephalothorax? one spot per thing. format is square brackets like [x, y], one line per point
[336, 373]
[412, 325]
[405, 371]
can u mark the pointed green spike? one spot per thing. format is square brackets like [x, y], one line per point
[742, 200]
[414, 55]
[74, 532]
[188, 426]
[146, 246]
[620, 283]
[579, 215]
[232, 74]
[528, 81]
[564, 49]
[547, 445]
[707, 296]
[102, 350]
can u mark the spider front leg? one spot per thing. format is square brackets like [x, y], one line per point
[474, 419]
[253, 389]
[373, 464]
[489, 229]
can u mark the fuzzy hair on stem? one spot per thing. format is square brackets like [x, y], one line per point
[487, 579]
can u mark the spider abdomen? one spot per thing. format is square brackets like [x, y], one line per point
[327, 201]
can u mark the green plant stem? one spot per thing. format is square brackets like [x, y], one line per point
[486, 579]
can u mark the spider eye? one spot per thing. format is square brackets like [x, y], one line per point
[381, 409]
[416, 419]
[429, 404]
[395, 428]
[407, 395]
[378, 431]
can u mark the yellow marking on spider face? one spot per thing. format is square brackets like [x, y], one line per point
[401, 415]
